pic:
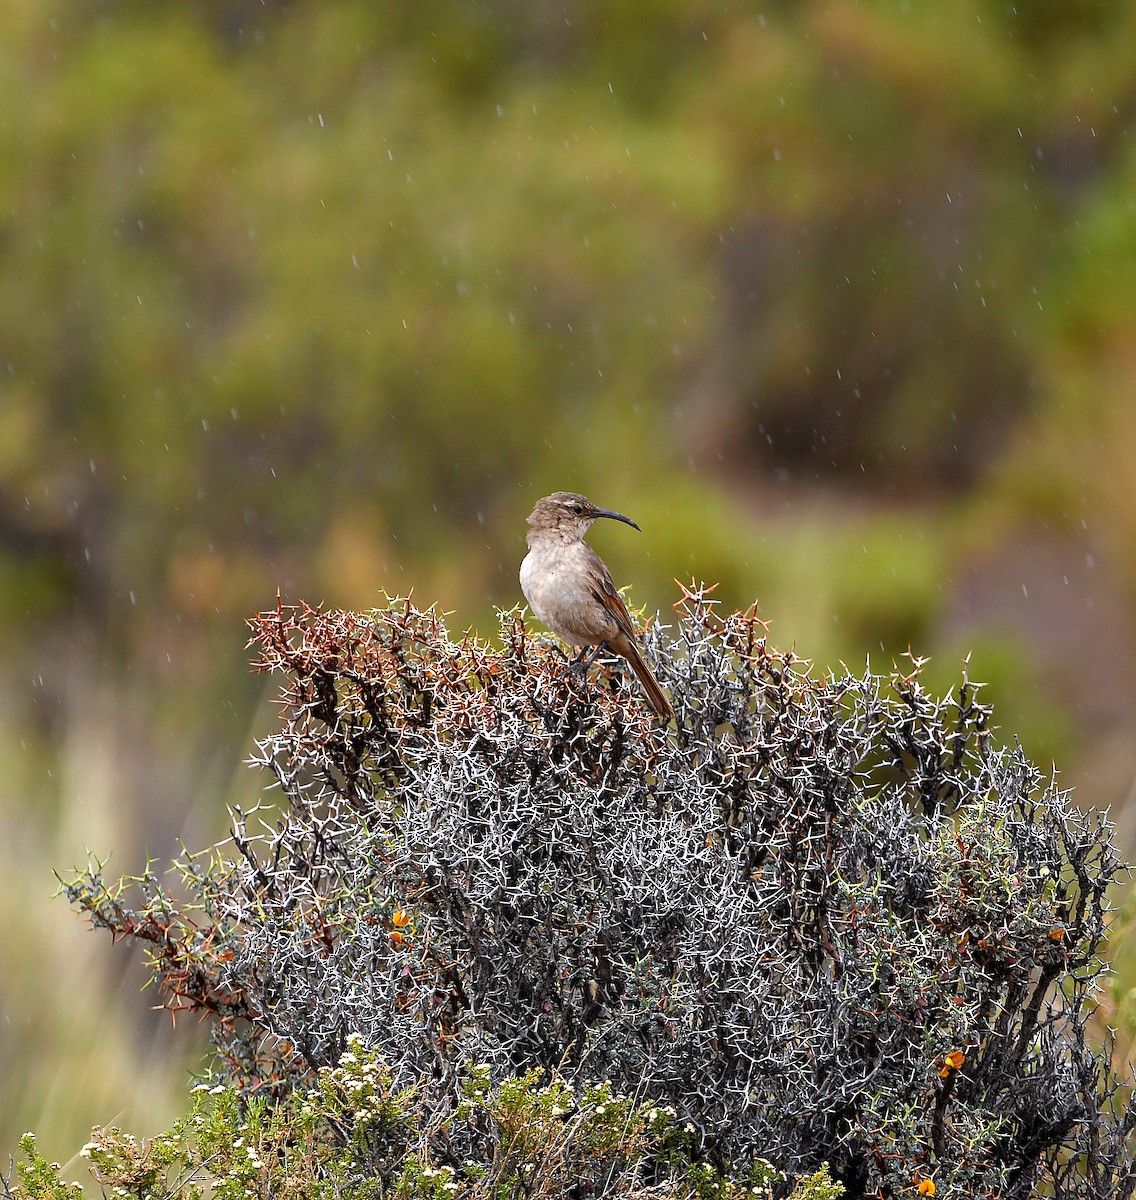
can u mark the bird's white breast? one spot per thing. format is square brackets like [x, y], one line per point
[554, 584]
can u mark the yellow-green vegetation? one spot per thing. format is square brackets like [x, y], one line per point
[834, 297]
[546, 1139]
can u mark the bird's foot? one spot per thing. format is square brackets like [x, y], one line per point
[579, 665]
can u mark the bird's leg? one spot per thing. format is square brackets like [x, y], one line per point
[594, 655]
[580, 663]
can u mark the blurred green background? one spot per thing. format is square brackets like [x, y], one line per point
[837, 299]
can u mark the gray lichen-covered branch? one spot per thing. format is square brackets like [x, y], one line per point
[825, 919]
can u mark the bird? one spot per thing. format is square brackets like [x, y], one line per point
[570, 589]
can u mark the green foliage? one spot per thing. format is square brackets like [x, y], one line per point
[38, 1179]
[324, 1142]
[819, 1186]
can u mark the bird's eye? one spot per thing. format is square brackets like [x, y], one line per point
[577, 508]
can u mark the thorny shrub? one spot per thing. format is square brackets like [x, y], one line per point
[824, 920]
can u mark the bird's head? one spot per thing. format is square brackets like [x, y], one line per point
[570, 515]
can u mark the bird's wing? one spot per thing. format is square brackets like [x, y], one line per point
[604, 591]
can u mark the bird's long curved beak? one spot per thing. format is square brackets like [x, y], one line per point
[606, 512]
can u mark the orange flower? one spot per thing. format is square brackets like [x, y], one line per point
[952, 1062]
[927, 1187]
[397, 938]
[1057, 934]
[400, 919]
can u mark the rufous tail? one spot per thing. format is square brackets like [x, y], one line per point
[656, 697]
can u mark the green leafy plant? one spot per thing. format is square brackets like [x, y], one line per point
[354, 1136]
